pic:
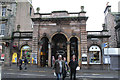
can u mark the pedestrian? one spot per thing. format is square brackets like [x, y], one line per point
[53, 60]
[25, 63]
[59, 67]
[20, 64]
[66, 64]
[73, 65]
[66, 68]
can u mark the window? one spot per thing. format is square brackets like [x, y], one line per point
[94, 55]
[119, 36]
[3, 11]
[3, 29]
[30, 11]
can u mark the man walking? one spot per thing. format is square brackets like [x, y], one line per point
[59, 67]
[20, 64]
[73, 65]
[25, 63]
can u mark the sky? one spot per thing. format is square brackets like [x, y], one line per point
[94, 9]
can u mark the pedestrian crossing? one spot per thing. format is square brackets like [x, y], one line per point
[84, 76]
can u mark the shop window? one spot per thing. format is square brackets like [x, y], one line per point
[94, 55]
[26, 52]
[84, 58]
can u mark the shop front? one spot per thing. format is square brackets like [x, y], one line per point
[26, 52]
[94, 55]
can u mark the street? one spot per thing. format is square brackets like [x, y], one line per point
[13, 73]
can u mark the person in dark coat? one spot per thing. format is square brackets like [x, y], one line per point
[59, 67]
[25, 63]
[20, 64]
[66, 67]
[73, 65]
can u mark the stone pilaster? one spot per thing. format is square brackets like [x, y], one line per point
[79, 54]
[35, 42]
[68, 52]
[49, 55]
[7, 56]
[84, 41]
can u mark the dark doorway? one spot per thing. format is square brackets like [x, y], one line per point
[44, 52]
[74, 47]
[59, 45]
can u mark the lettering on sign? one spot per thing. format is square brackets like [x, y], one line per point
[26, 34]
[16, 34]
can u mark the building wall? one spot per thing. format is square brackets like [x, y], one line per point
[97, 42]
[23, 16]
[70, 28]
[17, 13]
[110, 24]
[119, 6]
[9, 19]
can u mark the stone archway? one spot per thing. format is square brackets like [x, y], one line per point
[59, 45]
[75, 48]
[62, 40]
[44, 52]
[26, 52]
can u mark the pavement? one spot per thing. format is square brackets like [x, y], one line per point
[46, 73]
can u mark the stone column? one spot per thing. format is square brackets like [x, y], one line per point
[49, 54]
[79, 53]
[7, 56]
[38, 55]
[68, 52]
[35, 43]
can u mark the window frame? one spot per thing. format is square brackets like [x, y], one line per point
[2, 29]
[91, 54]
[3, 11]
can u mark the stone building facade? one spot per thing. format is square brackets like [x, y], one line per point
[23, 16]
[15, 29]
[59, 32]
[111, 21]
[7, 20]
[117, 30]
[110, 26]
[97, 41]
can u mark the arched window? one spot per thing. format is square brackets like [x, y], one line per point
[26, 52]
[94, 55]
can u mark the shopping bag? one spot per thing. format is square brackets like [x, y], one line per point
[54, 74]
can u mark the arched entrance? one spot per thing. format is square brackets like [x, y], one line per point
[59, 45]
[14, 58]
[44, 52]
[26, 52]
[94, 55]
[74, 47]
